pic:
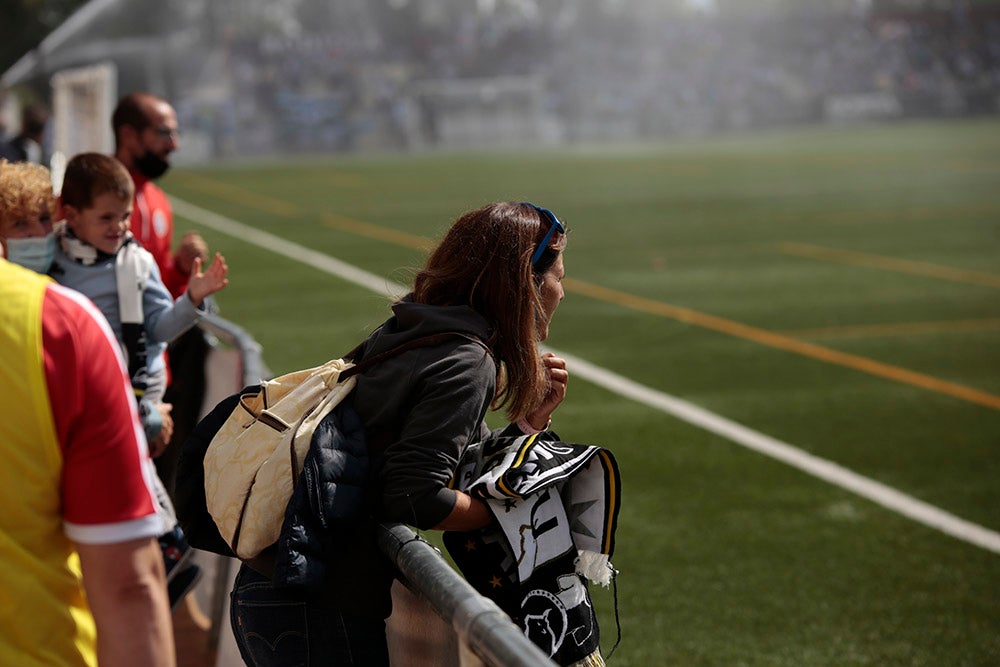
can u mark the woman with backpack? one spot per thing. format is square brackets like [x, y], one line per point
[490, 288]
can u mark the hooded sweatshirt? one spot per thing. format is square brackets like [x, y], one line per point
[420, 410]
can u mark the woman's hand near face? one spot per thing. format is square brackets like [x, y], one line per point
[555, 368]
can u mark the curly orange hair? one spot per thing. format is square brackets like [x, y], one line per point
[24, 189]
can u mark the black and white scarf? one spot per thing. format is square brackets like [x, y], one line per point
[132, 270]
[556, 509]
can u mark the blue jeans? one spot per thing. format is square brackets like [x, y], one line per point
[273, 630]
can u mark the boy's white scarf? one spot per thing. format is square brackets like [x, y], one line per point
[132, 269]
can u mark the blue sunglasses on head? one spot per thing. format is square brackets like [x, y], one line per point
[553, 226]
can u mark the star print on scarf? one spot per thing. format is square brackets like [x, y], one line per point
[556, 510]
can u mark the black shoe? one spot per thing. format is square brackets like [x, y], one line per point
[176, 551]
[182, 584]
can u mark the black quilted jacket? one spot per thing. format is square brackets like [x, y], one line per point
[417, 411]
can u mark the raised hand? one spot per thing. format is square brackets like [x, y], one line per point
[211, 281]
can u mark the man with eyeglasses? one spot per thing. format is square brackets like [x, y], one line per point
[146, 133]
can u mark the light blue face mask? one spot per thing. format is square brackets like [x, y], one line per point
[33, 253]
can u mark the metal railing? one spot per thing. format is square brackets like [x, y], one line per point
[478, 621]
[253, 369]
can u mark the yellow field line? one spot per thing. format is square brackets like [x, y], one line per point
[241, 196]
[891, 264]
[377, 232]
[904, 329]
[778, 341]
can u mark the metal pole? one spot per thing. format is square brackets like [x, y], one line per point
[254, 369]
[479, 622]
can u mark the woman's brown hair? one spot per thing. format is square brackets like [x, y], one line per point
[484, 261]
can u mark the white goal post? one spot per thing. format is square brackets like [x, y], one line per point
[83, 100]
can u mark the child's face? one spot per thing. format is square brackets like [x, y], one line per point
[103, 224]
[26, 224]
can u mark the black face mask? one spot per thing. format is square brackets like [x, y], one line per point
[151, 165]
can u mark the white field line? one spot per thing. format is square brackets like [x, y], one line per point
[828, 471]
[280, 246]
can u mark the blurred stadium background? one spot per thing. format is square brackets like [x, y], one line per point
[260, 77]
[785, 214]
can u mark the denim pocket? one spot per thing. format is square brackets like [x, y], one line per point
[269, 632]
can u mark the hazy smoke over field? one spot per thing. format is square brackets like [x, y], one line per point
[259, 76]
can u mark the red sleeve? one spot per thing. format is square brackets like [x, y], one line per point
[175, 281]
[106, 484]
[152, 224]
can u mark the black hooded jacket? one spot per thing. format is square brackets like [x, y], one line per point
[419, 411]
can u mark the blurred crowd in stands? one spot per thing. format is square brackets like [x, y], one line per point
[339, 86]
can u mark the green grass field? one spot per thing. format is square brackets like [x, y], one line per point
[837, 289]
